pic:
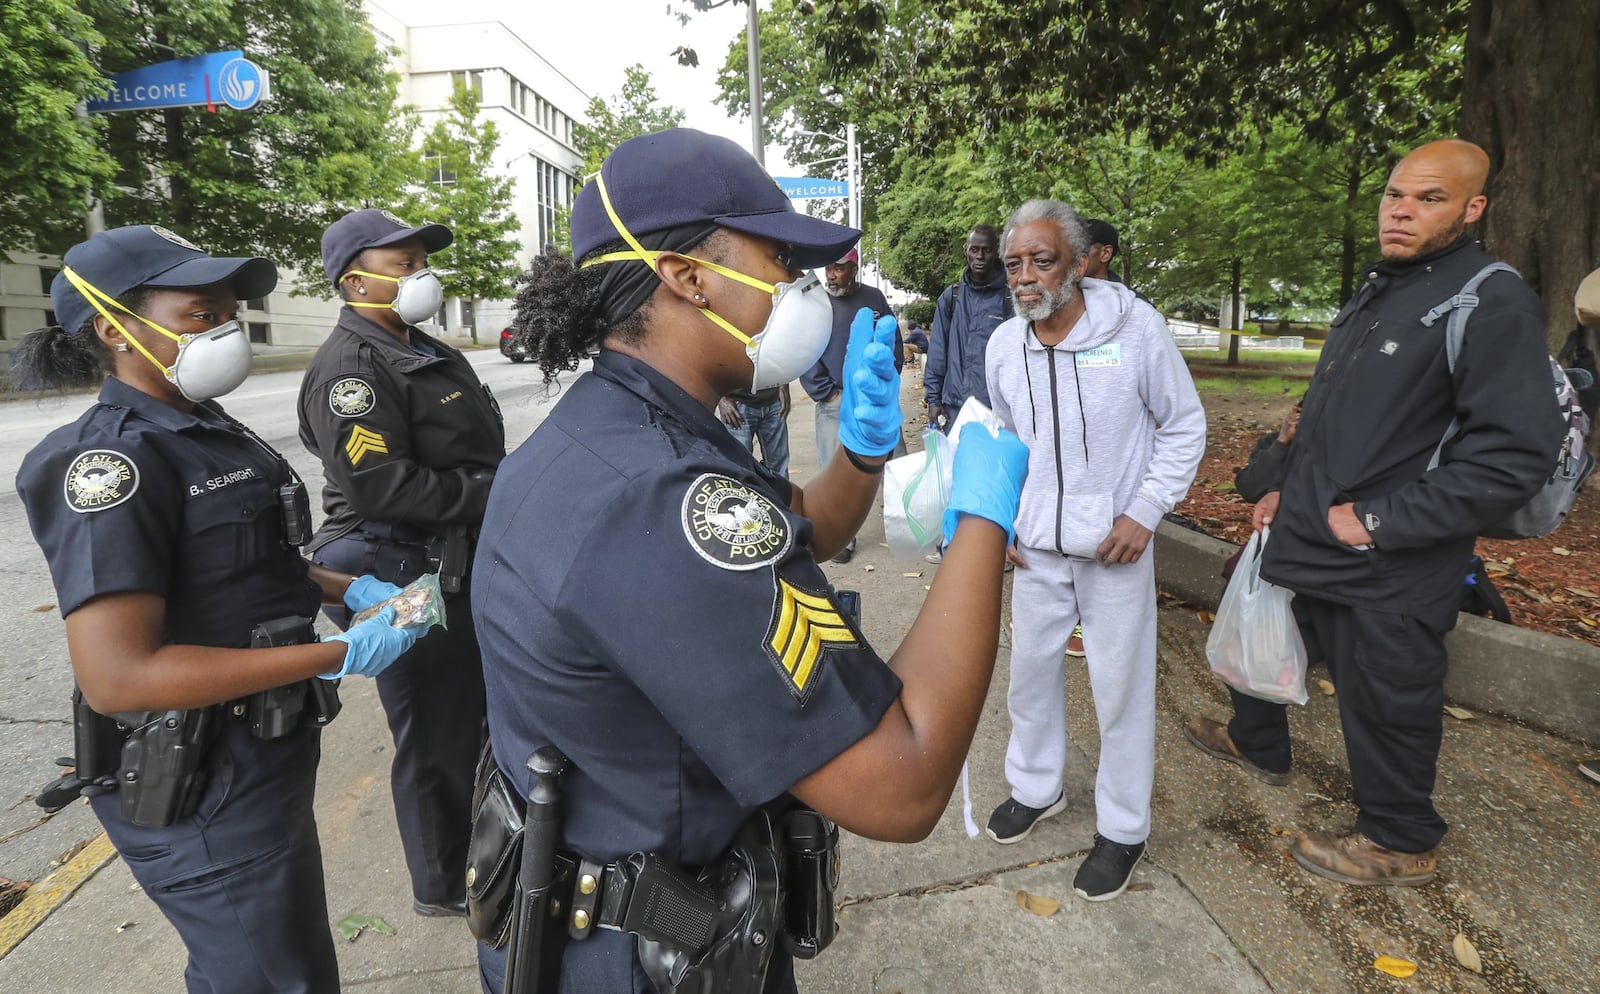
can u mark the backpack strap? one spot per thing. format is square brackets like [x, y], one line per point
[1459, 308]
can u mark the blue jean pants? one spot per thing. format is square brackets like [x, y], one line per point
[766, 423]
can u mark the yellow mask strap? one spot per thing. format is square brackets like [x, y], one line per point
[95, 296]
[644, 255]
[370, 276]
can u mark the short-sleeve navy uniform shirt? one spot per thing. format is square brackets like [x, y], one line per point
[138, 496]
[647, 603]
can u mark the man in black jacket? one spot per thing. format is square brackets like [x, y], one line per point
[1370, 540]
[409, 440]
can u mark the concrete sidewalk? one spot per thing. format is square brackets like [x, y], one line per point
[1216, 907]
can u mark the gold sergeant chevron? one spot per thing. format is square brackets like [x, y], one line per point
[362, 441]
[804, 625]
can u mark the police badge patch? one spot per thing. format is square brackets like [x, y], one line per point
[100, 479]
[352, 397]
[175, 238]
[732, 526]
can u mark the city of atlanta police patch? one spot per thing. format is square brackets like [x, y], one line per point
[351, 397]
[99, 479]
[732, 526]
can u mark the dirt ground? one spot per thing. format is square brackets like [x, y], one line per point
[1551, 584]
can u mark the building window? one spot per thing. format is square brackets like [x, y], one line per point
[258, 304]
[438, 175]
[50, 320]
[472, 79]
[468, 319]
[258, 332]
[46, 277]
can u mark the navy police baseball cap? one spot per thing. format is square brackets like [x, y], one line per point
[358, 231]
[681, 176]
[141, 255]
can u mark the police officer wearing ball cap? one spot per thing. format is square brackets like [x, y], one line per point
[409, 439]
[674, 634]
[170, 531]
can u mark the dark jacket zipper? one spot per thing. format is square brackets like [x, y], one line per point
[1055, 418]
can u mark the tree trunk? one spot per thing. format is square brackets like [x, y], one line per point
[1348, 239]
[1237, 318]
[1531, 98]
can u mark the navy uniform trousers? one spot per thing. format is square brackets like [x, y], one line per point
[1389, 670]
[241, 878]
[433, 696]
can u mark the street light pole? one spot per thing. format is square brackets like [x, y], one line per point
[852, 153]
[758, 139]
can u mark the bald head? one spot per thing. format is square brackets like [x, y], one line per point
[1432, 195]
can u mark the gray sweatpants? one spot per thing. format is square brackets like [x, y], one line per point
[1117, 608]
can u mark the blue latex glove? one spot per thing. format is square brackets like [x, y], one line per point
[986, 479]
[869, 410]
[367, 590]
[373, 645]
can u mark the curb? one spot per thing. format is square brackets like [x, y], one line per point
[50, 893]
[1546, 681]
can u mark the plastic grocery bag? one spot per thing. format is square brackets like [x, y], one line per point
[1255, 645]
[420, 603]
[916, 488]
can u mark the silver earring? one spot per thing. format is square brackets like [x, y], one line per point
[361, 290]
[122, 346]
[699, 298]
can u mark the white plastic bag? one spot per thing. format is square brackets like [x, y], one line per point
[1255, 645]
[916, 488]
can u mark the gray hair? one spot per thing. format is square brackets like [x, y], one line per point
[1057, 213]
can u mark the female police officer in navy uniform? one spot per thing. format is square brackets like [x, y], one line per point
[648, 596]
[409, 439]
[161, 520]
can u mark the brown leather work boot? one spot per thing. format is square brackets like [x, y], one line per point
[1352, 858]
[1211, 738]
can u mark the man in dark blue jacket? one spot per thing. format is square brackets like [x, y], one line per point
[1369, 538]
[824, 382]
[968, 312]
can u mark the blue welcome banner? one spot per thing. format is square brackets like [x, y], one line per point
[226, 78]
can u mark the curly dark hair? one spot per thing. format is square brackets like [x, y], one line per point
[55, 358]
[560, 312]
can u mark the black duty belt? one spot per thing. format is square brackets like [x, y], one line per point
[640, 893]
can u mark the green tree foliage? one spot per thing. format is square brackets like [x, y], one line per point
[265, 181]
[464, 192]
[1209, 77]
[632, 112]
[50, 160]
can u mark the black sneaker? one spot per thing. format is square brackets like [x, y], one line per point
[1591, 769]
[1013, 820]
[1106, 871]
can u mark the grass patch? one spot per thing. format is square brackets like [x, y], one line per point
[1265, 386]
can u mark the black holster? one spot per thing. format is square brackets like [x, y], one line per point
[493, 853]
[278, 711]
[450, 552]
[96, 754]
[163, 772]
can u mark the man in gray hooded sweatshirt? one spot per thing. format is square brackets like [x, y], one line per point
[1088, 376]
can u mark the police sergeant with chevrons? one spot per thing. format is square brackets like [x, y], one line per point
[651, 605]
[409, 439]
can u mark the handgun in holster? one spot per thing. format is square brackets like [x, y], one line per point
[97, 750]
[450, 552]
[163, 769]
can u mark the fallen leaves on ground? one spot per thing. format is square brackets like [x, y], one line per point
[1466, 953]
[1040, 905]
[1326, 686]
[1394, 966]
[1461, 714]
[353, 925]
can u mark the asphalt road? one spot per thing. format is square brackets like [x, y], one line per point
[37, 681]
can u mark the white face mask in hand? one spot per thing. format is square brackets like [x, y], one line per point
[418, 299]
